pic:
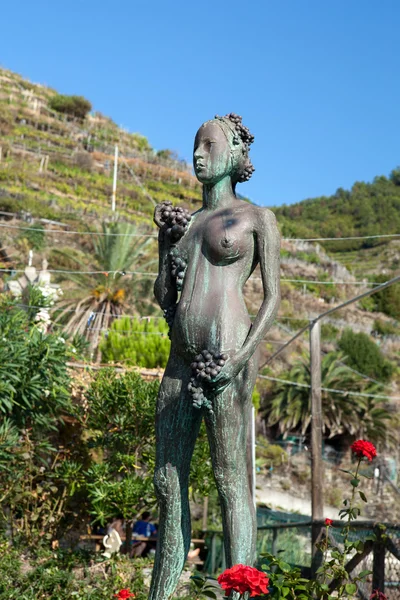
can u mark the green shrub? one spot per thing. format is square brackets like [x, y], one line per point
[76, 106]
[269, 455]
[35, 236]
[34, 383]
[385, 328]
[329, 332]
[137, 342]
[388, 300]
[363, 354]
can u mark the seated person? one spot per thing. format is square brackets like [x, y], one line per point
[144, 528]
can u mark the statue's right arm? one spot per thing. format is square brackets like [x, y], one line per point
[164, 288]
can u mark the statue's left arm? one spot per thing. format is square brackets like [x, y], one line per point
[268, 247]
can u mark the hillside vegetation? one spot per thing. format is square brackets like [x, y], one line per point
[366, 209]
[56, 168]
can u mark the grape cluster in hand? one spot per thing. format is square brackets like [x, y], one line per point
[205, 367]
[176, 219]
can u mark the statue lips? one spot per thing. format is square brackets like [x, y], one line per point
[199, 165]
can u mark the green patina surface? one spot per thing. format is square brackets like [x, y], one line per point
[218, 248]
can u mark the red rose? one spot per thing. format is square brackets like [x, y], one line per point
[363, 448]
[377, 595]
[125, 593]
[241, 578]
[328, 522]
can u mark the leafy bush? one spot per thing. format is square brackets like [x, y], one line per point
[84, 161]
[385, 328]
[76, 106]
[364, 355]
[62, 575]
[34, 383]
[119, 418]
[269, 455]
[37, 473]
[388, 300]
[137, 342]
[35, 236]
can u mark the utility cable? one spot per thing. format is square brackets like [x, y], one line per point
[332, 390]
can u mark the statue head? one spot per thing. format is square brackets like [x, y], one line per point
[221, 148]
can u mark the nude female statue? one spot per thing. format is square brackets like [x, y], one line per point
[204, 261]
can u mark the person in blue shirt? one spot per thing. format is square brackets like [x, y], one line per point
[145, 528]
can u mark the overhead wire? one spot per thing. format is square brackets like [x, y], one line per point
[331, 390]
[154, 274]
[327, 239]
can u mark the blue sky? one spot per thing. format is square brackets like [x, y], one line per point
[316, 82]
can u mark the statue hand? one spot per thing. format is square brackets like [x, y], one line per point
[173, 220]
[228, 372]
[160, 213]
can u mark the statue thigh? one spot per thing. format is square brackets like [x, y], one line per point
[227, 433]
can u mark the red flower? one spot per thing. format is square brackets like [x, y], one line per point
[363, 448]
[328, 522]
[241, 578]
[125, 593]
[377, 595]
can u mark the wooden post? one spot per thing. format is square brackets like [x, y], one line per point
[114, 191]
[251, 455]
[205, 513]
[317, 500]
[378, 567]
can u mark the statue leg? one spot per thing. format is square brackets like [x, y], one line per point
[177, 427]
[227, 434]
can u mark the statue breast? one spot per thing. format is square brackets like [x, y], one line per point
[226, 240]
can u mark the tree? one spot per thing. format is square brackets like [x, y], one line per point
[34, 383]
[119, 421]
[95, 300]
[289, 406]
[388, 300]
[38, 474]
[364, 355]
[76, 106]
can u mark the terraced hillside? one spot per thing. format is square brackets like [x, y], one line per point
[60, 167]
[56, 174]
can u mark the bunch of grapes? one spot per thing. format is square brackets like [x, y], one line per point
[207, 365]
[178, 269]
[176, 219]
[169, 315]
[247, 172]
[198, 398]
[243, 131]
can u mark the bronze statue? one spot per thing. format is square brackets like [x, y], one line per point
[204, 261]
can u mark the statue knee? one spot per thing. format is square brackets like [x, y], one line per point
[166, 483]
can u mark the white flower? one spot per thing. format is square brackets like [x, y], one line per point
[46, 393]
[74, 350]
[61, 339]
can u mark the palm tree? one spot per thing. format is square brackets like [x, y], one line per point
[95, 299]
[289, 406]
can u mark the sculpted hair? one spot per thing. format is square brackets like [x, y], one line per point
[239, 139]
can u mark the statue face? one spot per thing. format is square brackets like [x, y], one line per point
[211, 154]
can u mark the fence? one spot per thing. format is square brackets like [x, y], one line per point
[293, 543]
